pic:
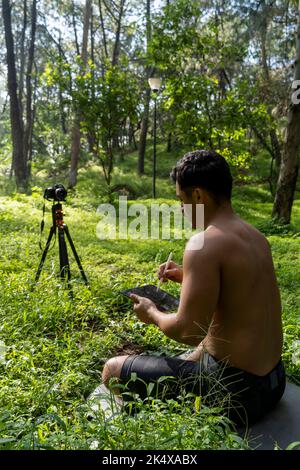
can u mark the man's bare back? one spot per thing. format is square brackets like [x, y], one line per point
[246, 327]
[229, 303]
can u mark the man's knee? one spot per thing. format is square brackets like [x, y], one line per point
[112, 368]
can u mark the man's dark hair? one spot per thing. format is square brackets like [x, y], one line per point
[205, 169]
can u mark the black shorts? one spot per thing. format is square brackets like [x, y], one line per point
[245, 397]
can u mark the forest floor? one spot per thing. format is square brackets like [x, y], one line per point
[52, 347]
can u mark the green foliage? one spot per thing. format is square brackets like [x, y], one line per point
[226, 74]
[52, 349]
[104, 99]
[159, 426]
[205, 108]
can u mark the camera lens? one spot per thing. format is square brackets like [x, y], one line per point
[60, 194]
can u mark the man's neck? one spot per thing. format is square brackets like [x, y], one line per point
[217, 213]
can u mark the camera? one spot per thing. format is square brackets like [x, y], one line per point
[58, 192]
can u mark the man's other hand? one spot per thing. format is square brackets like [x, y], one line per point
[173, 273]
[144, 308]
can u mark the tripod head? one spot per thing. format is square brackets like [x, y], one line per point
[57, 192]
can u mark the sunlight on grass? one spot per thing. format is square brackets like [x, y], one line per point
[55, 348]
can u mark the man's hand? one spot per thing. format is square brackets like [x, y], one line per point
[144, 308]
[173, 273]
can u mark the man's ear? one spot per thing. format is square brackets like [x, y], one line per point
[198, 195]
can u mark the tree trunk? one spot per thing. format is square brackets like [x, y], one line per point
[289, 168]
[103, 29]
[91, 136]
[60, 95]
[275, 144]
[29, 161]
[75, 149]
[75, 29]
[22, 56]
[116, 50]
[289, 164]
[276, 157]
[115, 60]
[15, 112]
[29, 112]
[75, 146]
[169, 144]
[276, 147]
[143, 134]
[131, 137]
[145, 119]
[21, 72]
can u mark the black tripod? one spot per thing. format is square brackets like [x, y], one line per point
[59, 225]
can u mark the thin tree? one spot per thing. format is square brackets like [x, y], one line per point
[75, 28]
[29, 108]
[76, 134]
[103, 29]
[289, 167]
[145, 119]
[19, 158]
[22, 56]
[116, 53]
[275, 144]
[116, 49]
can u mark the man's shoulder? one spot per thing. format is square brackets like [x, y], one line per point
[206, 242]
[222, 240]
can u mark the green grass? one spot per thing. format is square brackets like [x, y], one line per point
[56, 347]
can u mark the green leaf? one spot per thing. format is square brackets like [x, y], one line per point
[293, 445]
[6, 440]
[52, 417]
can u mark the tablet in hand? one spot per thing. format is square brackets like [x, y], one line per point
[162, 299]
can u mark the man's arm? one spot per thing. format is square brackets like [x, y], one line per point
[198, 300]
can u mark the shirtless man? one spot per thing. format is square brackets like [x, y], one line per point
[229, 304]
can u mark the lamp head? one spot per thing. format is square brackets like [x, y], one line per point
[155, 83]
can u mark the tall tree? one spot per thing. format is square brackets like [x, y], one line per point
[103, 29]
[275, 143]
[76, 134]
[75, 28]
[19, 158]
[289, 167]
[22, 55]
[29, 108]
[116, 49]
[145, 119]
[118, 16]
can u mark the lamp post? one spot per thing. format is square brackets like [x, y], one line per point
[155, 84]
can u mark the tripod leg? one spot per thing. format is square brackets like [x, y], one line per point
[76, 255]
[38, 273]
[63, 256]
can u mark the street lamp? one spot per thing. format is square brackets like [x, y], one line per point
[155, 84]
